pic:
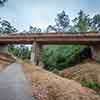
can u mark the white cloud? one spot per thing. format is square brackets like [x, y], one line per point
[41, 12]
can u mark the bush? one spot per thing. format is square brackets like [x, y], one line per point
[60, 57]
[91, 84]
[21, 52]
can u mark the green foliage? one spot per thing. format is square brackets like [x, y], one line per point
[2, 2]
[95, 23]
[34, 29]
[81, 23]
[22, 52]
[6, 27]
[91, 84]
[60, 57]
[61, 23]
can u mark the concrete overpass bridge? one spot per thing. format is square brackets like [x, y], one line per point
[51, 38]
[39, 39]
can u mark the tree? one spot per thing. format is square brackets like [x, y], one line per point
[6, 27]
[51, 29]
[95, 23]
[34, 29]
[81, 23]
[61, 23]
[20, 51]
[2, 2]
[60, 57]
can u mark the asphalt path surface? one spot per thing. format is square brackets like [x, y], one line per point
[14, 85]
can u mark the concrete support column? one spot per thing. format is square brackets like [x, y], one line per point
[40, 55]
[36, 56]
[34, 53]
[95, 51]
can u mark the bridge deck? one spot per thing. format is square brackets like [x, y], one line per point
[51, 38]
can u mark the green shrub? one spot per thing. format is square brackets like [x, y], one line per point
[60, 57]
[91, 84]
[21, 52]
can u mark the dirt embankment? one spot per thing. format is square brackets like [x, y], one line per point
[48, 86]
[87, 71]
[5, 59]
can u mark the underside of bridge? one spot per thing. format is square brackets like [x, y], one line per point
[39, 39]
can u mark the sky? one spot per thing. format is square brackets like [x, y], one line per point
[41, 13]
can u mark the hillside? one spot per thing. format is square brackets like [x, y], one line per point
[88, 71]
[5, 59]
[48, 86]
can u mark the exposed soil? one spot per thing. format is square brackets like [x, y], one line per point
[87, 71]
[48, 86]
[5, 59]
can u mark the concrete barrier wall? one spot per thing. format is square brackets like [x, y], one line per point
[4, 48]
[95, 51]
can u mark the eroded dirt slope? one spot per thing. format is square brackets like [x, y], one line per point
[5, 59]
[87, 71]
[48, 86]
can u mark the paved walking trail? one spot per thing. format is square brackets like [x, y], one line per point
[14, 85]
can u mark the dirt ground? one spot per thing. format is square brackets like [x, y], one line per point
[5, 59]
[48, 86]
[87, 71]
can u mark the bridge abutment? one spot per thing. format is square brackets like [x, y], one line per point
[95, 51]
[3, 48]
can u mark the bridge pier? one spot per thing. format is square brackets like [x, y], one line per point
[95, 51]
[36, 56]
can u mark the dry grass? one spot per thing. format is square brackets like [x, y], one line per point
[87, 71]
[48, 86]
